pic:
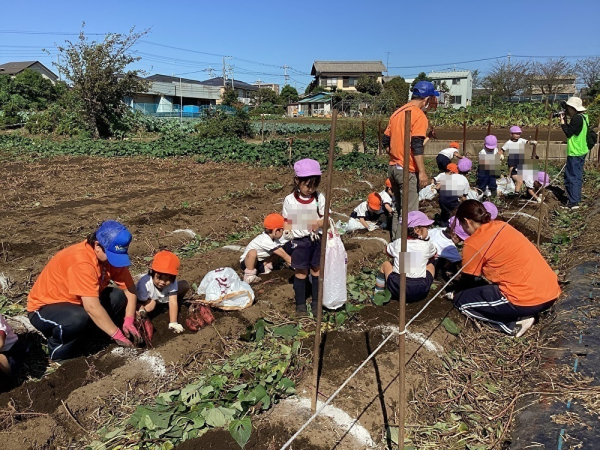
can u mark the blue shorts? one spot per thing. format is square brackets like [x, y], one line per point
[306, 254]
[416, 288]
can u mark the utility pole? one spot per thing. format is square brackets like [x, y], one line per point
[180, 105]
[224, 73]
[285, 67]
[387, 64]
[509, 58]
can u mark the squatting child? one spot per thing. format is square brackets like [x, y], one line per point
[453, 188]
[160, 286]
[417, 263]
[447, 259]
[369, 211]
[265, 249]
[303, 212]
[387, 199]
[446, 156]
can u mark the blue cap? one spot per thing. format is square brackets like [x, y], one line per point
[115, 238]
[425, 89]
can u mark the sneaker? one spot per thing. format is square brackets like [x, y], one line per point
[251, 279]
[301, 311]
[449, 295]
[313, 307]
[539, 200]
[268, 268]
[523, 325]
[574, 207]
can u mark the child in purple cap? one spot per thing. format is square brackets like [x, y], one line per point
[464, 165]
[489, 165]
[303, 212]
[416, 263]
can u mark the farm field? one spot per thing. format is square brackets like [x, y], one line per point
[48, 204]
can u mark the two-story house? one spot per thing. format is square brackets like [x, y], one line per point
[460, 83]
[343, 75]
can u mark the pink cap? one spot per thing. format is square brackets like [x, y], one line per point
[515, 130]
[307, 168]
[417, 219]
[464, 164]
[454, 225]
[490, 142]
[543, 178]
[491, 208]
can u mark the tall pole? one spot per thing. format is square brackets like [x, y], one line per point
[317, 349]
[489, 127]
[539, 233]
[402, 319]
[180, 105]
[534, 150]
[465, 137]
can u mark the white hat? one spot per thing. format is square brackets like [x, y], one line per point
[575, 102]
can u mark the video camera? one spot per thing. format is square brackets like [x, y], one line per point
[563, 107]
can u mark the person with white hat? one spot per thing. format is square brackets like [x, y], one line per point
[576, 131]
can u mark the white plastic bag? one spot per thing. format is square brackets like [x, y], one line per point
[223, 289]
[428, 192]
[334, 272]
[350, 226]
[505, 185]
[475, 194]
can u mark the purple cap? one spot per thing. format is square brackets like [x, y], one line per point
[515, 130]
[307, 168]
[491, 208]
[543, 178]
[454, 225]
[115, 238]
[490, 142]
[417, 219]
[464, 164]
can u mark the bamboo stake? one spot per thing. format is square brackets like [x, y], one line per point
[317, 349]
[534, 151]
[465, 137]
[402, 319]
[380, 148]
[543, 193]
[262, 128]
[363, 137]
[489, 127]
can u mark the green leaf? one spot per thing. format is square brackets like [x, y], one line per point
[260, 329]
[392, 433]
[450, 326]
[241, 430]
[166, 397]
[463, 427]
[286, 331]
[215, 418]
[381, 298]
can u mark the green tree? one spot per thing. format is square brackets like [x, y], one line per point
[229, 97]
[314, 88]
[288, 95]
[264, 95]
[34, 88]
[368, 85]
[98, 75]
[397, 91]
[421, 77]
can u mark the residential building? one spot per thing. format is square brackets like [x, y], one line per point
[344, 75]
[314, 105]
[460, 83]
[562, 88]
[15, 68]
[243, 89]
[274, 87]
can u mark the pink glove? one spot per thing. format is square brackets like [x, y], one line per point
[120, 339]
[131, 331]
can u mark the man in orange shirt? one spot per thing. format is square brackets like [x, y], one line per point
[73, 288]
[423, 98]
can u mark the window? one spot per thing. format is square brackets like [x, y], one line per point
[346, 82]
[456, 99]
[241, 93]
[455, 80]
[332, 81]
[352, 81]
[323, 81]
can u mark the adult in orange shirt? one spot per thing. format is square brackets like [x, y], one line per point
[73, 288]
[423, 98]
[522, 282]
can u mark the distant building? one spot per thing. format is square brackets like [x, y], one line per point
[460, 83]
[274, 87]
[562, 88]
[15, 68]
[243, 89]
[344, 75]
[313, 105]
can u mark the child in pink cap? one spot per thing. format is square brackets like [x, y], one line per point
[303, 212]
[416, 263]
[489, 165]
[464, 166]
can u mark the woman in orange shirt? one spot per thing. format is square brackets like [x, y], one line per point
[522, 284]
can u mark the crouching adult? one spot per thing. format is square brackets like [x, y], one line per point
[73, 288]
[521, 283]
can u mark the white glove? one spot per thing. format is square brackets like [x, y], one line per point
[533, 142]
[372, 226]
[502, 157]
[177, 328]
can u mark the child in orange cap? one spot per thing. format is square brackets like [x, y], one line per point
[445, 156]
[453, 188]
[368, 211]
[265, 249]
[160, 285]
[387, 199]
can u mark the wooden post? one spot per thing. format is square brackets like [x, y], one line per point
[262, 129]
[379, 145]
[317, 349]
[543, 193]
[363, 137]
[598, 144]
[402, 318]
[489, 127]
[465, 137]
[534, 150]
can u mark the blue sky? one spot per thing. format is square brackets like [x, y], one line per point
[263, 36]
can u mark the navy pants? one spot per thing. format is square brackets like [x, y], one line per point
[488, 303]
[63, 324]
[442, 162]
[448, 204]
[485, 180]
[574, 178]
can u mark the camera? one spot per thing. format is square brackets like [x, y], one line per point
[563, 107]
[558, 114]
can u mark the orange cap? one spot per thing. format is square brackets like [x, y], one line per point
[374, 201]
[166, 262]
[452, 168]
[455, 145]
[273, 222]
[388, 183]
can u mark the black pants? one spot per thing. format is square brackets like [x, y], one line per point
[488, 303]
[448, 204]
[442, 162]
[63, 324]
[486, 180]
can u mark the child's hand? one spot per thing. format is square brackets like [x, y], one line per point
[176, 327]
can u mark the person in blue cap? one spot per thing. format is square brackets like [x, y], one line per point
[73, 290]
[424, 98]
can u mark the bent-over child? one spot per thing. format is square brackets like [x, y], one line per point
[446, 156]
[447, 259]
[303, 212]
[453, 188]
[515, 148]
[265, 249]
[416, 263]
[160, 286]
[369, 211]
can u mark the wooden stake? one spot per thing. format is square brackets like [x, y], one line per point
[598, 144]
[543, 193]
[465, 137]
[534, 150]
[402, 319]
[317, 349]
[380, 146]
[262, 129]
[363, 137]
[489, 127]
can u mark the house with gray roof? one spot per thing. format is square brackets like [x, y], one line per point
[343, 75]
[460, 85]
[16, 67]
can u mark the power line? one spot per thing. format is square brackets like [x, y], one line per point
[447, 63]
[52, 33]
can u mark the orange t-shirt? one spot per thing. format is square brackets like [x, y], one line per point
[512, 262]
[395, 131]
[73, 273]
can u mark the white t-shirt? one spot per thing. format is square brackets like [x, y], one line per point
[418, 254]
[264, 246]
[362, 210]
[10, 338]
[386, 199]
[301, 212]
[147, 291]
[518, 146]
[485, 151]
[444, 246]
[449, 152]
[453, 184]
